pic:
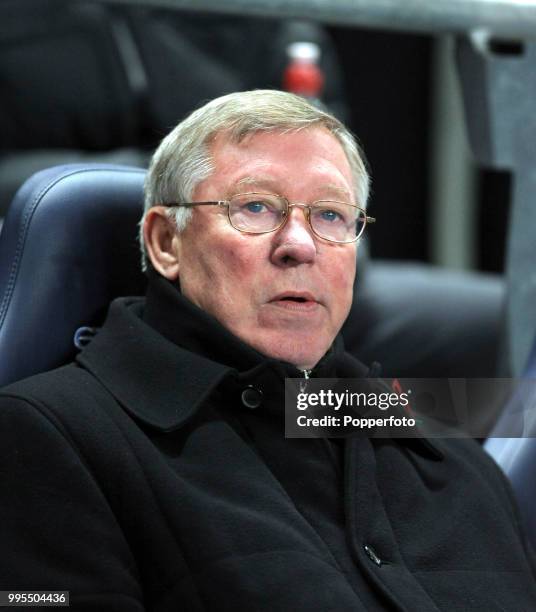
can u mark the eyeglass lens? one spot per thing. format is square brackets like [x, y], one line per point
[257, 213]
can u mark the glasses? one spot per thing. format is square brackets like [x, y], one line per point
[262, 213]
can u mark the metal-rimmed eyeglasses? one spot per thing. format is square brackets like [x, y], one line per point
[262, 213]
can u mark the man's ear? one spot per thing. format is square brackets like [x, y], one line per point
[162, 242]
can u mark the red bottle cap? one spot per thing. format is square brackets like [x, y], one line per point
[303, 76]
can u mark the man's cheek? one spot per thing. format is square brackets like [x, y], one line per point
[238, 260]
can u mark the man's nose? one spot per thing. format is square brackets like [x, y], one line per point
[294, 243]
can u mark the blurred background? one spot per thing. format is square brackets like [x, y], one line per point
[84, 81]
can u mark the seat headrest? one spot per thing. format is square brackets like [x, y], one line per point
[67, 248]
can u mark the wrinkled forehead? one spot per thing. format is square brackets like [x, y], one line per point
[297, 146]
[243, 137]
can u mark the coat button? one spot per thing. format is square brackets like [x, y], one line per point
[371, 554]
[251, 397]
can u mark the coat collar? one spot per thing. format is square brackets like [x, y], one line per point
[155, 380]
[162, 357]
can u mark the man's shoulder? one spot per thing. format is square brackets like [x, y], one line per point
[69, 376]
[474, 464]
[468, 454]
[466, 451]
[68, 392]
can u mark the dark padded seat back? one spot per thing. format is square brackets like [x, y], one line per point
[67, 248]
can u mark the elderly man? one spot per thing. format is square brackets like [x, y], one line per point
[153, 473]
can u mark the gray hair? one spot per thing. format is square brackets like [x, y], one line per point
[183, 158]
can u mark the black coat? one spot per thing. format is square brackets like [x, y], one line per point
[136, 478]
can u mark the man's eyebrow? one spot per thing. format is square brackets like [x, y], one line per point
[257, 181]
[268, 183]
[336, 190]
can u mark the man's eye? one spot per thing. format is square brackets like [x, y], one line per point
[330, 215]
[255, 207]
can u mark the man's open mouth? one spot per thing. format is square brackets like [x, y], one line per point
[293, 299]
[297, 297]
[301, 302]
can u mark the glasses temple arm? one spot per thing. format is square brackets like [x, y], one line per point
[191, 204]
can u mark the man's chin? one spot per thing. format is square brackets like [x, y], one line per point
[302, 351]
[289, 316]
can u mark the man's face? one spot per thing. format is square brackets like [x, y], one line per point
[286, 293]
